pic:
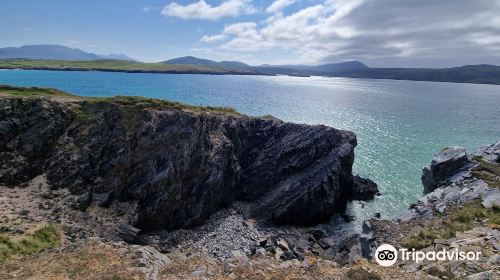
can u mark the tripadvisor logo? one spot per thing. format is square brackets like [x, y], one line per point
[387, 255]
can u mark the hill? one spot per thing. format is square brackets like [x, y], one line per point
[325, 69]
[58, 52]
[191, 60]
[107, 65]
[477, 74]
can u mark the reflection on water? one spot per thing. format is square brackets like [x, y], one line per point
[399, 124]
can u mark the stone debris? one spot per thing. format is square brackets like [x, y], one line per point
[128, 233]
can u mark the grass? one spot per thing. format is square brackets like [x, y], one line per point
[488, 172]
[81, 113]
[30, 91]
[89, 260]
[46, 237]
[115, 65]
[144, 101]
[457, 220]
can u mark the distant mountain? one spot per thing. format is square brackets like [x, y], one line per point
[47, 52]
[477, 74]
[308, 70]
[54, 52]
[326, 69]
[191, 60]
[320, 69]
[116, 57]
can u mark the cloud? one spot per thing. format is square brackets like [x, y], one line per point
[239, 28]
[384, 32]
[203, 10]
[279, 5]
[212, 39]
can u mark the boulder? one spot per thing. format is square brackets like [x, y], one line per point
[491, 199]
[485, 275]
[364, 189]
[128, 233]
[106, 199]
[84, 201]
[490, 152]
[367, 241]
[444, 164]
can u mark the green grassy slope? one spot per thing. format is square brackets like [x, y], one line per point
[117, 66]
[6, 91]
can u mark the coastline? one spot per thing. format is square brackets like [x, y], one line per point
[232, 242]
[139, 71]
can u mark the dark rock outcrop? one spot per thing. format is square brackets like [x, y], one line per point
[181, 165]
[367, 241]
[364, 189]
[106, 199]
[444, 164]
[84, 201]
[128, 233]
[29, 131]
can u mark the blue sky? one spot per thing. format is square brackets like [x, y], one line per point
[423, 33]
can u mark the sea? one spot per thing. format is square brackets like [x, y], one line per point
[399, 124]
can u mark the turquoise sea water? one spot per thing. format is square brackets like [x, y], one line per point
[399, 124]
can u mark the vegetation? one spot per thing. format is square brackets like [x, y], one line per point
[80, 111]
[460, 220]
[30, 91]
[115, 66]
[478, 74]
[46, 237]
[488, 172]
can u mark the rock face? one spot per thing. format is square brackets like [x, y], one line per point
[364, 189]
[444, 164]
[181, 165]
[490, 152]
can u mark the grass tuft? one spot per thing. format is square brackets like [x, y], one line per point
[460, 220]
[45, 237]
[488, 172]
[30, 91]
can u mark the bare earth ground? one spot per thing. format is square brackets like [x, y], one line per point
[91, 249]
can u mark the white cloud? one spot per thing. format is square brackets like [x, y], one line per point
[203, 10]
[212, 39]
[239, 28]
[384, 32]
[279, 5]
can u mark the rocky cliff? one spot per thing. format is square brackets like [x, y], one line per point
[460, 211]
[179, 163]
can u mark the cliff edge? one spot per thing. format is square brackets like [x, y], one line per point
[180, 163]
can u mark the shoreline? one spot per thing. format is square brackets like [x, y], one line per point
[235, 73]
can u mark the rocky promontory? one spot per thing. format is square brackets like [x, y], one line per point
[460, 211]
[179, 163]
[135, 188]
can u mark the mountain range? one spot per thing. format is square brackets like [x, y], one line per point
[55, 52]
[55, 57]
[326, 69]
[191, 60]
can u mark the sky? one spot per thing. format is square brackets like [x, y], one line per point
[379, 33]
